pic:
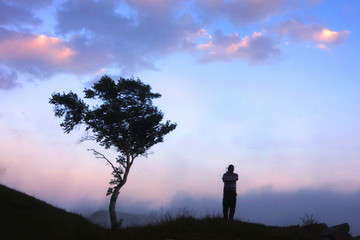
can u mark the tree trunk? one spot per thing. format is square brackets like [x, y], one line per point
[114, 223]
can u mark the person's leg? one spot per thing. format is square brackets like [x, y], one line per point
[232, 205]
[226, 205]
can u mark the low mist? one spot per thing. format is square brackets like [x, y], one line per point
[267, 207]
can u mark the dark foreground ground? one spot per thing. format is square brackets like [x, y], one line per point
[24, 217]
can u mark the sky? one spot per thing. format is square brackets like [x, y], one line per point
[271, 87]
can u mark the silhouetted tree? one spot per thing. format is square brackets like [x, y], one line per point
[126, 120]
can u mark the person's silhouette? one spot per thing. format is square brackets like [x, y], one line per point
[229, 199]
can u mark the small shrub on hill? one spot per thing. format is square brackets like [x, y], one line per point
[308, 220]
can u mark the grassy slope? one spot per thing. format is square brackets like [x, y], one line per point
[24, 217]
[216, 229]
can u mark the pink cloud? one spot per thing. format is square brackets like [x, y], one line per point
[300, 32]
[36, 48]
[328, 36]
[35, 54]
[255, 48]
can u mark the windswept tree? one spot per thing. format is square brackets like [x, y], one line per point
[126, 120]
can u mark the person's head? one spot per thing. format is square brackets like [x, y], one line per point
[231, 168]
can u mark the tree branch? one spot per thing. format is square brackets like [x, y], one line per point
[101, 156]
[123, 165]
[86, 137]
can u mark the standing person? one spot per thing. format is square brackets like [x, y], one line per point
[229, 199]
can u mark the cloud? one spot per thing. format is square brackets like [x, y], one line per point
[300, 32]
[20, 11]
[129, 42]
[247, 11]
[8, 80]
[99, 36]
[35, 54]
[256, 48]
[93, 36]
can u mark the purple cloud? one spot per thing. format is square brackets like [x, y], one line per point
[8, 80]
[256, 48]
[30, 4]
[247, 11]
[129, 42]
[20, 11]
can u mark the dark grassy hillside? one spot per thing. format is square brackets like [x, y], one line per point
[219, 229]
[24, 217]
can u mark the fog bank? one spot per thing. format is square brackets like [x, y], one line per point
[267, 207]
[279, 208]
